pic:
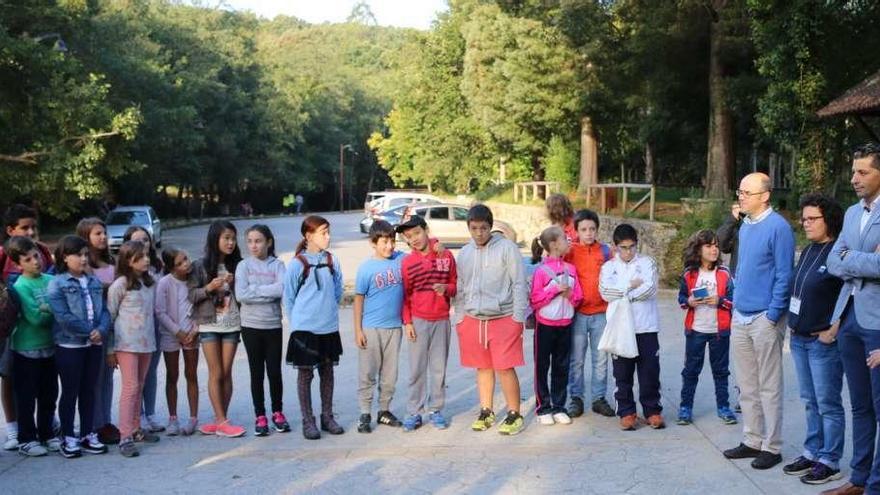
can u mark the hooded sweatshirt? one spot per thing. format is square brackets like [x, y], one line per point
[491, 281]
[259, 285]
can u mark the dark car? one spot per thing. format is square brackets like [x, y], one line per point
[392, 215]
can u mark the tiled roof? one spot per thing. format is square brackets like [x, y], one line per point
[862, 99]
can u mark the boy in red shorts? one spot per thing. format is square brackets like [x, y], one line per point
[490, 308]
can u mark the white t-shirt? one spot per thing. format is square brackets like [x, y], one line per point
[706, 317]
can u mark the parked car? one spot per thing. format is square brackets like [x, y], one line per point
[123, 217]
[448, 223]
[393, 216]
[380, 201]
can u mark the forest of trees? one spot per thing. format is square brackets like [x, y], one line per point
[173, 103]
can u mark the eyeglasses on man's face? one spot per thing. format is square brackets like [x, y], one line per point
[742, 192]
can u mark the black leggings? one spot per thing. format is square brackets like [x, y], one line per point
[264, 355]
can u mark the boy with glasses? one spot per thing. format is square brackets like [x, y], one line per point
[635, 277]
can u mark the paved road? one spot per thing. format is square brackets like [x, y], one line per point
[589, 456]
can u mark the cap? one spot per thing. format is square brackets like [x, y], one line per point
[414, 221]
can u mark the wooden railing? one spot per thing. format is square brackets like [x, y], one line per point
[624, 188]
[521, 190]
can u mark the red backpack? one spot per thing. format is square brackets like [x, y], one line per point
[307, 270]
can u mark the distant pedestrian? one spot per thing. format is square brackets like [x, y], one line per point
[299, 203]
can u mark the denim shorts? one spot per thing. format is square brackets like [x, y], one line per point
[222, 337]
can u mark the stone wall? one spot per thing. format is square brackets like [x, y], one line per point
[529, 221]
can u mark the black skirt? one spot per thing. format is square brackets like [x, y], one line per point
[310, 350]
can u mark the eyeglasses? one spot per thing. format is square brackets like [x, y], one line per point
[806, 220]
[741, 192]
[631, 247]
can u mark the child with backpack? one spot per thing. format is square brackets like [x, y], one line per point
[554, 296]
[588, 255]
[706, 293]
[312, 291]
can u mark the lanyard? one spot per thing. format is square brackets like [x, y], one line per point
[797, 276]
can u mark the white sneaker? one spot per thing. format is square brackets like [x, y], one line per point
[32, 449]
[173, 428]
[150, 424]
[11, 440]
[189, 427]
[546, 419]
[53, 444]
[562, 418]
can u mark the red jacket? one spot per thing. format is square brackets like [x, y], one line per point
[588, 261]
[9, 267]
[420, 272]
[724, 284]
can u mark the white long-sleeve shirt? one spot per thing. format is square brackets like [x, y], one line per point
[614, 283]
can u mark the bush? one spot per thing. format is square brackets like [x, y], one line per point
[706, 218]
[562, 163]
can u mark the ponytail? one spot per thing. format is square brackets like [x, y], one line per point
[537, 251]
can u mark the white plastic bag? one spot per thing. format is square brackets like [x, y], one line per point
[619, 337]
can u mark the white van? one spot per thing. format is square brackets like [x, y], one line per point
[380, 201]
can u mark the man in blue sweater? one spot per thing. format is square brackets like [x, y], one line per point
[760, 303]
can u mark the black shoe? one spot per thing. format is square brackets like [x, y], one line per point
[364, 424]
[388, 419]
[91, 445]
[261, 426]
[741, 451]
[310, 429]
[766, 460]
[330, 425]
[576, 408]
[820, 474]
[601, 406]
[70, 450]
[798, 467]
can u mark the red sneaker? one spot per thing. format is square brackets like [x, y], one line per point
[225, 429]
[208, 429]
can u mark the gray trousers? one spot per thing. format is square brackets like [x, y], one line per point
[378, 361]
[427, 366]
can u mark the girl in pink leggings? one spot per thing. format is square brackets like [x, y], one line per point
[131, 304]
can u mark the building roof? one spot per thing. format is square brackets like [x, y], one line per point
[862, 99]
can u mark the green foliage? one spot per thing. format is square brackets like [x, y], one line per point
[562, 162]
[709, 217]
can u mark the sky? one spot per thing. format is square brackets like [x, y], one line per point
[401, 13]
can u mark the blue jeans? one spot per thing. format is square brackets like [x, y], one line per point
[820, 376]
[855, 343]
[104, 393]
[585, 333]
[148, 405]
[719, 361]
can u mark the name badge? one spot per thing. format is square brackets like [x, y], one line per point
[794, 306]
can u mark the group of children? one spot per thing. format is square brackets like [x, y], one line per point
[86, 313]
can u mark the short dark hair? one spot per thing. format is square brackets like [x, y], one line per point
[831, 210]
[18, 246]
[14, 214]
[868, 150]
[69, 244]
[624, 232]
[480, 213]
[585, 214]
[380, 229]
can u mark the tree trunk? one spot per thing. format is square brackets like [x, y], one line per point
[589, 171]
[649, 163]
[537, 167]
[720, 157]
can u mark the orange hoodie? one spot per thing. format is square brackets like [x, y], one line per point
[588, 260]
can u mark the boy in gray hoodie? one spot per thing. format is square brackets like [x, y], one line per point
[490, 308]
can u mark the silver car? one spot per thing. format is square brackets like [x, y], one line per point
[123, 217]
[448, 223]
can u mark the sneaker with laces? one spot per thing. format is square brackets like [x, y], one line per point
[280, 422]
[798, 467]
[173, 428]
[388, 418]
[261, 426]
[685, 416]
[741, 451]
[629, 422]
[364, 424]
[228, 430]
[601, 406]
[32, 449]
[190, 427]
[142, 435]
[513, 424]
[53, 444]
[70, 448]
[576, 408]
[484, 420]
[437, 420]
[821, 473]
[412, 422]
[562, 418]
[149, 423]
[726, 415]
[208, 429]
[11, 439]
[127, 448]
[91, 445]
[546, 419]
